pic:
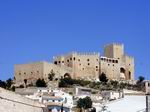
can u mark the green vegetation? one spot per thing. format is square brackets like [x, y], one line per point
[103, 78]
[41, 83]
[69, 82]
[51, 75]
[7, 84]
[109, 85]
[3, 84]
[84, 103]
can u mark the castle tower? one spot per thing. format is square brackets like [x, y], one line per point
[114, 51]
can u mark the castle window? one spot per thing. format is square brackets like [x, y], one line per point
[109, 60]
[96, 66]
[70, 58]
[97, 59]
[82, 68]
[80, 64]
[67, 60]
[78, 59]
[129, 64]
[96, 69]
[24, 72]
[55, 62]
[59, 61]
[113, 65]
[108, 64]
[74, 58]
[113, 61]
[116, 61]
[88, 63]
[31, 72]
[37, 71]
[19, 73]
[148, 84]
[62, 61]
[102, 59]
[88, 59]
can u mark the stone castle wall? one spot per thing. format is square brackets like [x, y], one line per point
[115, 64]
[84, 65]
[34, 71]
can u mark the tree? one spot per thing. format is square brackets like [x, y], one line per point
[51, 75]
[9, 82]
[41, 83]
[13, 88]
[103, 78]
[66, 82]
[3, 84]
[25, 81]
[139, 83]
[141, 79]
[84, 103]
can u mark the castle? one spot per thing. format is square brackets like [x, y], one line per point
[115, 64]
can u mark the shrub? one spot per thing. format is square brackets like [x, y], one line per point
[40, 83]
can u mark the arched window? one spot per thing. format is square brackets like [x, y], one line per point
[129, 75]
[122, 70]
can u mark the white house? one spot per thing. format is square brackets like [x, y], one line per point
[112, 95]
[54, 99]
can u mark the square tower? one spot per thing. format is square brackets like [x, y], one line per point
[114, 51]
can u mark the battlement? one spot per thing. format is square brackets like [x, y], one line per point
[117, 44]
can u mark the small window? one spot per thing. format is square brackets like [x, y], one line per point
[37, 71]
[67, 60]
[96, 69]
[19, 73]
[88, 59]
[31, 72]
[24, 72]
[70, 58]
[116, 61]
[102, 58]
[82, 68]
[88, 63]
[55, 62]
[80, 64]
[129, 64]
[78, 59]
[113, 61]
[96, 59]
[113, 65]
[108, 64]
[74, 58]
[109, 60]
[96, 66]
[148, 84]
[53, 101]
[59, 62]
[62, 61]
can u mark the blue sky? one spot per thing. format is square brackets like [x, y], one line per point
[35, 30]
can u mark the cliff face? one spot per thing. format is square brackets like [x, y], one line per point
[11, 102]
